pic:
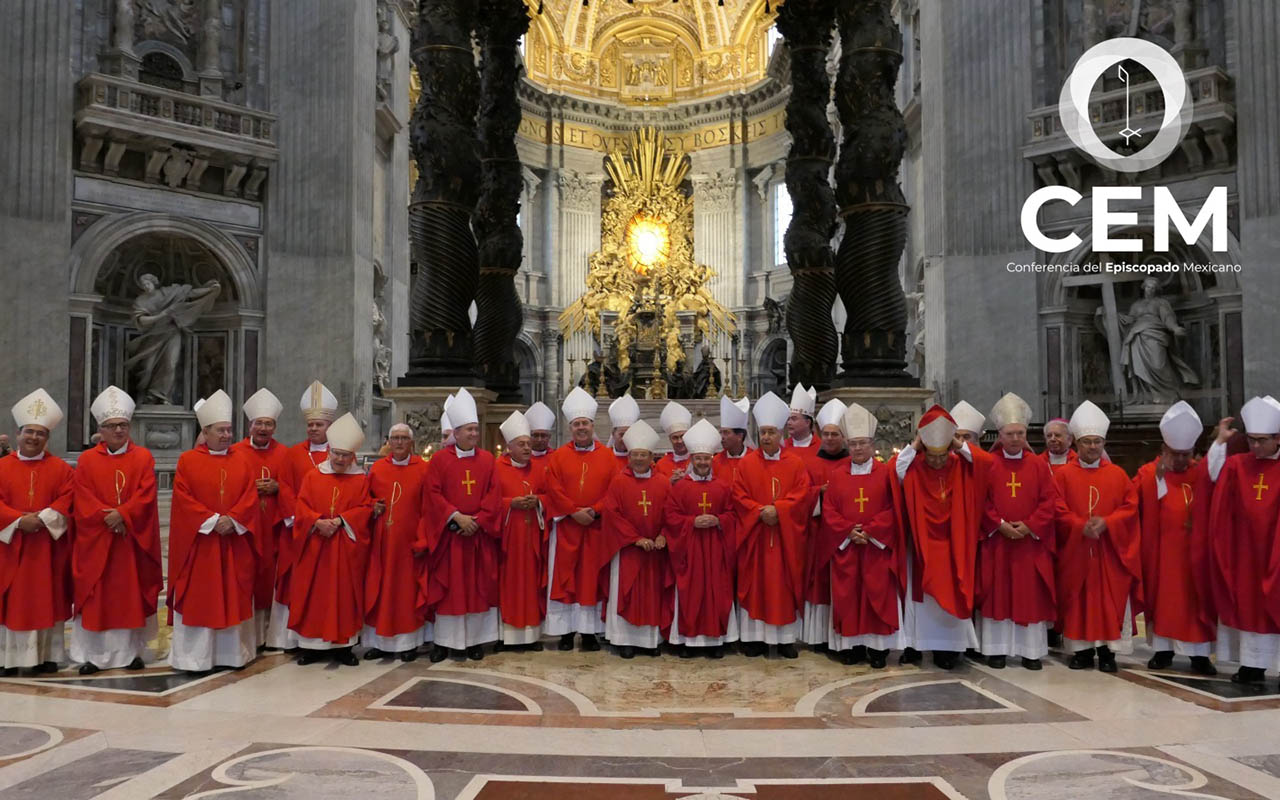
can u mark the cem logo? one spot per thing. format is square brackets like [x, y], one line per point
[1073, 109]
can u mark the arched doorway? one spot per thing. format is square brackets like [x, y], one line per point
[220, 348]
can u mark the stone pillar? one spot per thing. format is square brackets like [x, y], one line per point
[119, 58]
[499, 315]
[871, 201]
[806, 26]
[35, 213]
[442, 138]
[716, 229]
[579, 238]
[210, 53]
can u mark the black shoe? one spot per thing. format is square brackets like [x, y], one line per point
[788, 651]
[911, 656]
[498, 646]
[9, 672]
[846, 658]
[475, 652]
[46, 667]
[534, 647]
[1032, 664]
[1083, 659]
[859, 654]
[876, 659]
[438, 654]
[627, 651]
[1201, 665]
[88, 668]
[566, 643]
[373, 654]
[973, 655]
[309, 657]
[1163, 659]
[136, 664]
[1055, 639]
[716, 652]
[1250, 676]
[996, 662]
[754, 649]
[345, 657]
[590, 643]
[1106, 660]
[819, 648]
[945, 659]
[409, 655]
[686, 651]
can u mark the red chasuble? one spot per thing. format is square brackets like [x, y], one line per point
[646, 585]
[865, 581]
[771, 558]
[462, 571]
[116, 578]
[726, 468]
[1170, 552]
[578, 480]
[522, 579]
[811, 449]
[302, 459]
[393, 600]
[702, 558]
[1071, 459]
[1016, 576]
[1096, 577]
[817, 577]
[212, 575]
[1242, 531]
[326, 588]
[271, 536]
[667, 465]
[35, 568]
[941, 513]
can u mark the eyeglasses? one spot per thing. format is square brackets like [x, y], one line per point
[114, 426]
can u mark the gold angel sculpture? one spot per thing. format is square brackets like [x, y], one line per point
[645, 261]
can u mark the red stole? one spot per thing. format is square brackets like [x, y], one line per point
[116, 579]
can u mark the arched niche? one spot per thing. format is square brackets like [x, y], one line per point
[107, 261]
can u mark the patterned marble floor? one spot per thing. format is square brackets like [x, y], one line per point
[562, 726]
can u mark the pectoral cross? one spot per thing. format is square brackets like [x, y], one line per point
[704, 505]
[861, 500]
[1013, 484]
[644, 503]
[1260, 486]
[469, 482]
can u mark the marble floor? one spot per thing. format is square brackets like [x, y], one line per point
[562, 726]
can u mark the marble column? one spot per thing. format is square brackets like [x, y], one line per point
[499, 315]
[579, 238]
[716, 243]
[35, 211]
[210, 52]
[806, 26]
[871, 201]
[442, 138]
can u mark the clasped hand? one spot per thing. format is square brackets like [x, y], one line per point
[706, 521]
[769, 515]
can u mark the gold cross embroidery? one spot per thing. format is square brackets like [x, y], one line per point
[528, 514]
[469, 482]
[31, 492]
[582, 479]
[1013, 484]
[396, 492]
[861, 500]
[773, 485]
[222, 487]
[704, 505]
[644, 502]
[1187, 496]
[1260, 486]
[121, 480]
[333, 501]
[262, 501]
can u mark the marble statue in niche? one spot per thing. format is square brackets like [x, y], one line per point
[1153, 370]
[388, 46]
[163, 315]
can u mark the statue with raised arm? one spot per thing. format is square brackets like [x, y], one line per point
[1152, 368]
[162, 314]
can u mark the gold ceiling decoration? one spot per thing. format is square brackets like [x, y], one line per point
[644, 271]
[648, 52]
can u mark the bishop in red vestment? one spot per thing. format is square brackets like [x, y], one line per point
[940, 509]
[36, 490]
[857, 546]
[542, 423]
[332, 530]
[623, 413]
[578, 475]
[1242, 533]
[1057, 444]
[522, 575]
[641, 586]
[801, 436]
[115, 556]
[699, 521]
[395, 621]
[268, 466]
[1016, 601]
[1099, 567]
[1169, 490]
[212, 559]
[675, 420]
[774, 497]
[831, 456]
[462, 529]
[319, 407]
[733, 438]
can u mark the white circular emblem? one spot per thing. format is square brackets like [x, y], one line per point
[1073, 104]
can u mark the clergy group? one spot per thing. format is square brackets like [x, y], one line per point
[688, 537]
